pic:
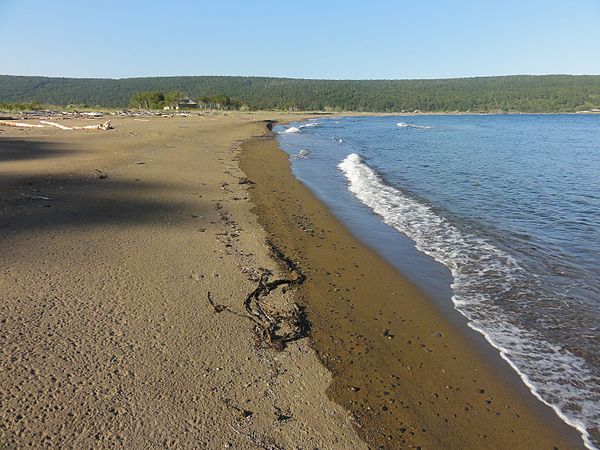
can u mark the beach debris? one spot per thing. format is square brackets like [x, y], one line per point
[246, 180]
[54, 124]
[46, 124]
[100, 174]
[103, 126]
[251, 273]
[218, 308]
[280, 416]
[245, 413]
[7, 123]
[274, 328]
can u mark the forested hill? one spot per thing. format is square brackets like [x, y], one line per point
[548, 93]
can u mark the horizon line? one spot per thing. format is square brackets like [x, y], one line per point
[302, 78]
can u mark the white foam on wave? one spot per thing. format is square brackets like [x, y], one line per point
[291, 130]
[299, 128]
[302, 154]
[410, 125]
[554, 375]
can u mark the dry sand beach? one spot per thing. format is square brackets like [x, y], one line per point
[127, 258]
[108, 339]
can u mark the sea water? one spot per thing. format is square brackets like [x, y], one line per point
[496, 215]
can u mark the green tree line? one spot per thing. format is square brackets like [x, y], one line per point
[548, 93]
[160, 100]
[155, 99]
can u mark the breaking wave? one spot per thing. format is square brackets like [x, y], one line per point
[484, 276]
[300, 127]
[410, 125]
[291, 130]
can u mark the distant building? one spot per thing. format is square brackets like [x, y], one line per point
[186, 103]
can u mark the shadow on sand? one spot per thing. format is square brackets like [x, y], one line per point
[51, 201]
[23, 149]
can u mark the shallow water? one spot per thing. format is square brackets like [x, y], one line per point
[498, 216]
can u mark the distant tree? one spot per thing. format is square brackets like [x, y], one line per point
[221, 102]
[27, 106]
[171, 99]
[292, 107]
[147, 100]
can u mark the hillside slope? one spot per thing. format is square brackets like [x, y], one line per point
[548, 93]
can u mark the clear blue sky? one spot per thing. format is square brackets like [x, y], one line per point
[307, 39]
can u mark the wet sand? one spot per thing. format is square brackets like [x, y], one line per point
[411, 377]
[110, 242]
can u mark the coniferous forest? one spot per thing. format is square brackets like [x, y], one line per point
[522, 93]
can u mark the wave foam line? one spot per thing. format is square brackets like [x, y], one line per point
[410, 125]
[291, 130]
[300, 127]
[482, 275]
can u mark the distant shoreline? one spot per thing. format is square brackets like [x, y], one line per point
[57, 110]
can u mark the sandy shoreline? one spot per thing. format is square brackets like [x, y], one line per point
[410, 376]
[111, 242]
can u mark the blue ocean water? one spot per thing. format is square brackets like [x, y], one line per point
[498, 216]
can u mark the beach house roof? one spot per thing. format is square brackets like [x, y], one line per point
[187, 102]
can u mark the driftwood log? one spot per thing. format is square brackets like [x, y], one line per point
[7, 123]
[54, 124]
[46, 124]
[103, 126]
